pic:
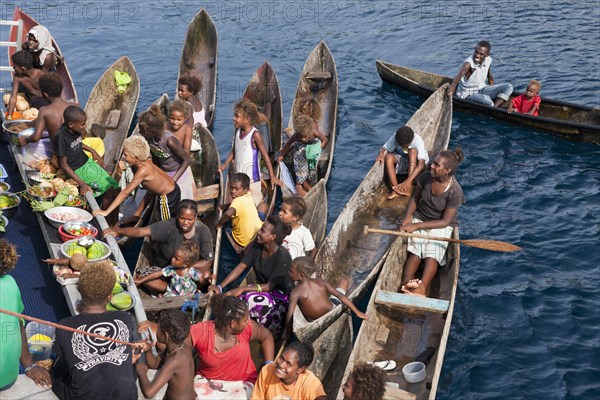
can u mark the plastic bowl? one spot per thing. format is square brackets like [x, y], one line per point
[13, 135]
[4, 186]
[65, 235]
[10, 211]
[48, 193]
[64, 249]
[57, 216]
[414, 372]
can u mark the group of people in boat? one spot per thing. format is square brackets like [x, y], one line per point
[279, 248]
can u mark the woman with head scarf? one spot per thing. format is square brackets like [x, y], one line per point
[39, 44]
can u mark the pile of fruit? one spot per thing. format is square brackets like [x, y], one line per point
[80, 231]
[7, 201]
[120, 301]
[92, 252]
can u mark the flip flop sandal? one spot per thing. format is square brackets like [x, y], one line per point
[386, 365]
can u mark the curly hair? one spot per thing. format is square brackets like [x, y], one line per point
[176, 324]
[280, 229]
[51, 84]
[404, 135]
[96, 282]
[137, 146]
[310, 107]
[304, 352]
[22, 58]
[152, 122]
[536, 84]
[304, 125]
[369, 382]
[227, 309]
[305, 265]
[193, 83]
[297, 205]
[190, 250]
[452, 159]
[181, 106]
[250, 110]
[8, 257]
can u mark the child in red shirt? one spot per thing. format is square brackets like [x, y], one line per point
[528, 102]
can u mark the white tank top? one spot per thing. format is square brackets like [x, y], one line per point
[247, 158]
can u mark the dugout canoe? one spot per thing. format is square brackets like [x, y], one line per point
[69, 93]
[199, 58]
[401, 327]
[105, 103]
[318, 81]
[209, 194]
[348, 253]
[576, 122]
[263, 90]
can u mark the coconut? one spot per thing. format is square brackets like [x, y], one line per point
[78, 261]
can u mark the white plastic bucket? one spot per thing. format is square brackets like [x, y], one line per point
[39, 349]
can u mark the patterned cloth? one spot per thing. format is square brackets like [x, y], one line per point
[217, 389]
[301, 168]
[181, 285]
[268, 309]
[424, 248]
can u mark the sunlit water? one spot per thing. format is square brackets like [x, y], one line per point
[526, 325]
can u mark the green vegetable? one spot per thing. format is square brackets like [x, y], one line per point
[2, 223]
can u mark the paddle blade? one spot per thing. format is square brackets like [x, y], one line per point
[493, 245]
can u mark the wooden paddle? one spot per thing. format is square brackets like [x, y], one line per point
[493, 245]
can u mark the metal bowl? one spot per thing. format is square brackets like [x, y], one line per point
[35, 178]
[49, 193]
[13, 135]
[9, 211]
[4, 186]
[67, 251]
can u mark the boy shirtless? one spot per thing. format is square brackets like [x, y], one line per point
[50, 117]
[27, 76]
[175, 364]
[136, 153]
[470, 81]
[315, 296]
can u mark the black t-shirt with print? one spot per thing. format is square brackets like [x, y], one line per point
[68, 143]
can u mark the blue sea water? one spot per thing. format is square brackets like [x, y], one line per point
[526, 325]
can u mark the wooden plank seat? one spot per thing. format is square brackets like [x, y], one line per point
[319, 75]
[166, 303]
[207, 192]
[392, 392]
[411, 302]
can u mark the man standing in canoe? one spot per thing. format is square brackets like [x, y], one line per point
[470, 82]
[404, 154]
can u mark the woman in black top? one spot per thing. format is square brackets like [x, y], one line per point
[268, 298]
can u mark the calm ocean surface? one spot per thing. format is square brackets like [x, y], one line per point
[527, 325]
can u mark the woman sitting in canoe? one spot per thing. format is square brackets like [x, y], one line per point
[167, 151]
[225, 369]
[432, 210]
[39, 44]
[269, 298]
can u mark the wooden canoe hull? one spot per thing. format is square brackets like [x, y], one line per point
[573, 121]
[104, 98]
[391, 333]
[325, 91]
[347, 252]
[199, 58]
[69, 93]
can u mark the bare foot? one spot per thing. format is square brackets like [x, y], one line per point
[402, 189]
[413, 287]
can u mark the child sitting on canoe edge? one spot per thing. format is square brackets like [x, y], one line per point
[300, 242]
[314, 296]
[245, 218]
[184, 279]
[474, 80]
[528, 102]
[307, 143]
[175, 363]
[404, 154]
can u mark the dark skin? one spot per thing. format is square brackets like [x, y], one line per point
[29, 78]
[32, 45]
[415, 167]
[441, 179]
[38, 374]
[176, 148]
[266, 237]
[312, 296]
[465, 70]
[50, 119]
[287, 216]
[175, 366]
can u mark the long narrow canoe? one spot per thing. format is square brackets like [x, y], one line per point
[263, 90]
[199, 58]
[347, 253]
[105, 98]
[318, 81]
[567, 119]
[69, 93]
[401, 326]
[209, 194]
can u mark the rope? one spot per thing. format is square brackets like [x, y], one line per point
[68, 328]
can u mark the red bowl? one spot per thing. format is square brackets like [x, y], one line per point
[64, 235]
